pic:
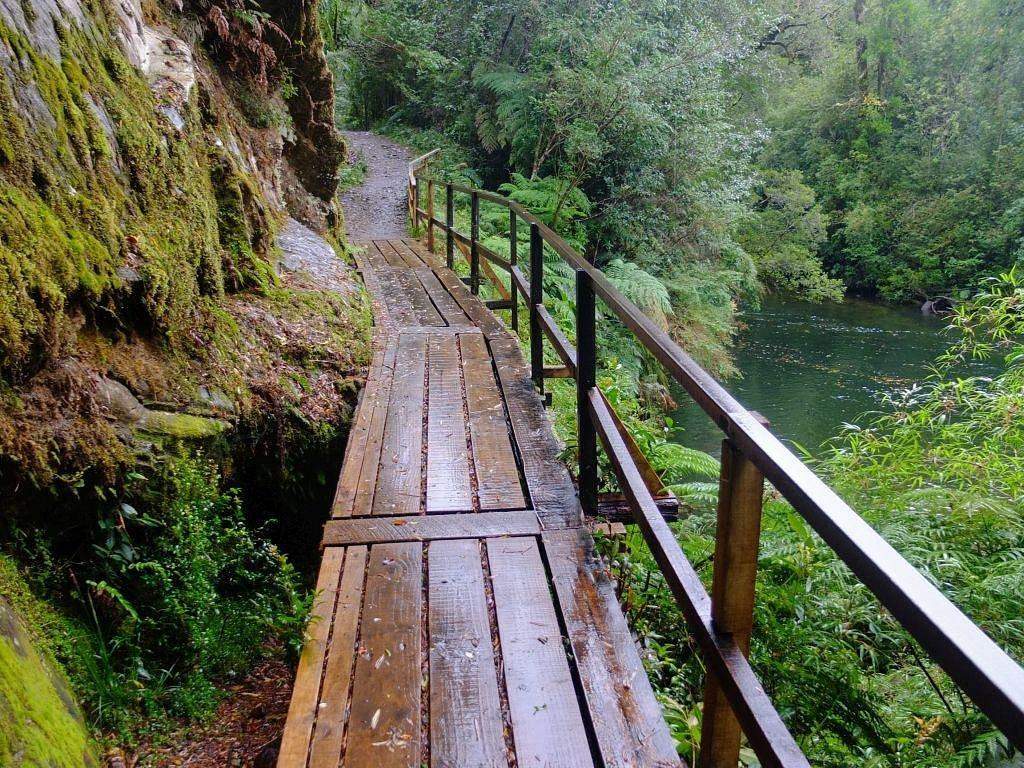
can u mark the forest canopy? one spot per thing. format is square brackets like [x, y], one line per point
[811, 146]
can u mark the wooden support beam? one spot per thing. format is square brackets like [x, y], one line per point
[558, 372]
[740, 497]
[513, 256]
[490, 274]
[615, 508]
[559, 341]
[474, 248]
[521, 283]
[449, 226]
[375, 530]
[536, 304]
[586, 379]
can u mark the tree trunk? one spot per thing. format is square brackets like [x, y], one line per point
[861, 47]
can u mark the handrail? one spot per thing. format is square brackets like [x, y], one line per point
[983, 670]
[419, 162]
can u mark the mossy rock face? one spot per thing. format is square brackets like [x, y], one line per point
[108, 208]
[40, 724]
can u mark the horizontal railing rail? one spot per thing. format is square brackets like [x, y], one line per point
[721, 623]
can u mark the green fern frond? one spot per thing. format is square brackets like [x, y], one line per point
[982, 750]
[642, 288]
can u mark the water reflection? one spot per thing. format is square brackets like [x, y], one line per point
[811, 367]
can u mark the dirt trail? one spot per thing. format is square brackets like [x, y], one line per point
[375, 210]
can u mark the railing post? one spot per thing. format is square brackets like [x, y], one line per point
[449, 219]
[513, 258]
[416, 205]
[586, 380]
[740, 496]
[536, 300]
[430, 216]
[474, 249]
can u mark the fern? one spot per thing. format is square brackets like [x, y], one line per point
[551, 198]
[983, 750]
[700, 495]
[500, 82]
[642, 288]
[497, 123]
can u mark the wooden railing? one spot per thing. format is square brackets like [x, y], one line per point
[721, 622]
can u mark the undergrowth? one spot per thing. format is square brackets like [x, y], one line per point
[939, 475]
[175, 596]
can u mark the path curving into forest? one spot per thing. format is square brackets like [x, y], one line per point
[375, 210]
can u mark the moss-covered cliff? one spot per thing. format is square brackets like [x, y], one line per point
[163, 315]
[141, 180]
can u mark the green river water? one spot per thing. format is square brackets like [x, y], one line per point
[809, 367]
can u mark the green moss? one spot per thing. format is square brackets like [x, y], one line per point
[40, 724]
[171, 205]
[181, 425]
[245, 229]
[67, 263]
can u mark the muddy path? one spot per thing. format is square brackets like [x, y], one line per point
[376, 209]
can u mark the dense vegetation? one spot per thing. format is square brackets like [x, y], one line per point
[871, 144]
[701, 153]
[178, 593]
[905, 118]
[940, 475]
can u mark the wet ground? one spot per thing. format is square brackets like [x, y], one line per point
[376, 210]
[307, 254]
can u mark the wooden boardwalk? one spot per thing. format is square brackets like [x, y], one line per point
[461, 618]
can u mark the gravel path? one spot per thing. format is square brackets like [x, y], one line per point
[376, 210]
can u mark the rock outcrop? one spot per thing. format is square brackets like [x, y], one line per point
[317, 149]
[144, 311]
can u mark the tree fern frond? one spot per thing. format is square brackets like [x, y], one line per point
[642, 288]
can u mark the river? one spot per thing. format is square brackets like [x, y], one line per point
[809, 367]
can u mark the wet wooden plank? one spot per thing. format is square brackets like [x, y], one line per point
[430, 527]
[393, 294]
[466, 724]
[442, 330]
[448, 482]
[550, 487]
[362, 454]
[390, 255]
[385, 722]
[626, 717]
[444, 301]
[497, 475]
[547, 724]
[399, 477]
[424, 311]
[303, 707]
[373, 287]
[471, 305]
[325, 750]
